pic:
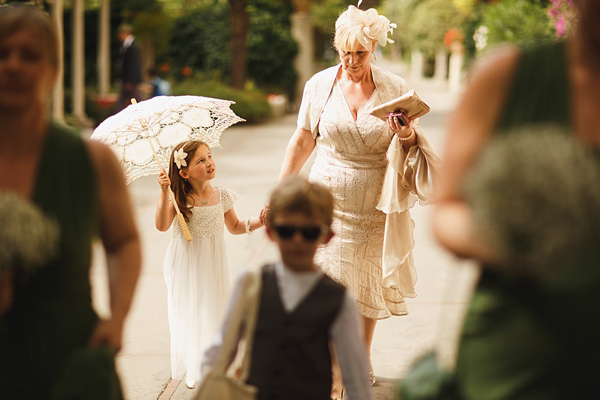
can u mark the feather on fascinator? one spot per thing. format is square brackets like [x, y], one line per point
[366, 26]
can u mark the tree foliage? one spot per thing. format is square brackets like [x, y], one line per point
[429, 22]
[325, 13]
[517, 21]
[200, 40]
[154, 27]
[271, 47]
[401, 12]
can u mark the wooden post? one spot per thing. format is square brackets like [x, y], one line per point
[302, 31]
[456, 62]
[78, 63]
[104, 48]
[58, 101]
[441, 66]
[416, 65]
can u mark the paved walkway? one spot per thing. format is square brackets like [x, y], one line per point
[249, 163]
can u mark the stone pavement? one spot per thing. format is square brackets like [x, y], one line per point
[249, 163]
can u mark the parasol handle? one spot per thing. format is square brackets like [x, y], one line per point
[182, 224]
[180, 218]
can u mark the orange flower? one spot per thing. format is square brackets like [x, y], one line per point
[453, 35]
[186, 71]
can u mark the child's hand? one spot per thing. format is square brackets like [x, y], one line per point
[264, 213]
[164, 181]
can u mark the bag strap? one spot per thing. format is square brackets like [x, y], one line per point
[243, 316]
[253, 299]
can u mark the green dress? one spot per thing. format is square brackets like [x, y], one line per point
[535, 338]
[52, 316]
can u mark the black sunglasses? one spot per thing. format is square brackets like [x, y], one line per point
[310, 233]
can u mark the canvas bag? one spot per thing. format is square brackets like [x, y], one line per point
[217, 383]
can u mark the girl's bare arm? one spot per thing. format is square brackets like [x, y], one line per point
[165, 211]
[236, 226]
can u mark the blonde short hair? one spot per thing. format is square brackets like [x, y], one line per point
[295, 194]
[346, 40]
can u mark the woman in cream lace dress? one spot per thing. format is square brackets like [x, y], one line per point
[354, 150]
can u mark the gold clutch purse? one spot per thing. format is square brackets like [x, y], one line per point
[410, 104]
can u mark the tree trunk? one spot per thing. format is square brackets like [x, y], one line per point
[239, 31]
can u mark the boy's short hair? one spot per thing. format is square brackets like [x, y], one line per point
[295, 194]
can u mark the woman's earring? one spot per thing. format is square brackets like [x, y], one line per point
[374, 55]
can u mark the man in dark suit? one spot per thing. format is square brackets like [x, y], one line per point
[131, 67]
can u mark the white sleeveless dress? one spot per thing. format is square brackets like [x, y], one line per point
[198, 284]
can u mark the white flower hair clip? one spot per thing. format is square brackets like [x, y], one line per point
[179, 158]
[367, 26]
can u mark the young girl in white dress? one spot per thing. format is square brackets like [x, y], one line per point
[196, 272]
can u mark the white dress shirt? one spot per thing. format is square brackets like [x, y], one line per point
[345, 332]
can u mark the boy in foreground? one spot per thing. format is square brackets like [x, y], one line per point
[300, 309]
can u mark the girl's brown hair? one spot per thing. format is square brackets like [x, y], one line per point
[181, 187]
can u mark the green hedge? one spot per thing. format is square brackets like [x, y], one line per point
[252, 105]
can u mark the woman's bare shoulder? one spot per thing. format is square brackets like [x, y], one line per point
[487, 88]
[496, 67]
[105, 162]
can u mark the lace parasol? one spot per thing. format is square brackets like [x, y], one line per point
[144, 134]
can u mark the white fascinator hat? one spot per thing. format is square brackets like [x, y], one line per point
[363, 27]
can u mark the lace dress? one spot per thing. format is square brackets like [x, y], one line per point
[351, 160]
[198, 284]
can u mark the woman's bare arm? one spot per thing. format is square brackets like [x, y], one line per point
[121, 242]
[299, 148]
[470, 127]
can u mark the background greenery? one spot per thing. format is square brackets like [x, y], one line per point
[190, 39]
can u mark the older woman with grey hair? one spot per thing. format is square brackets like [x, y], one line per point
[353, 151]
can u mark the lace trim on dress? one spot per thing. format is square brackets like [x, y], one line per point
[228, 198]
[207, 221]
